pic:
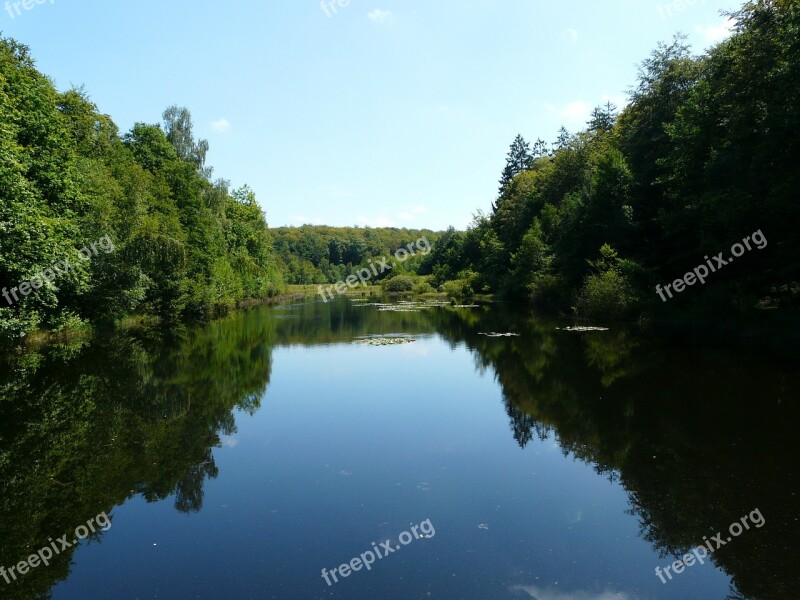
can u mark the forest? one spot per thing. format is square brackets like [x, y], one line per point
[705, 154]
[184, 245]
[593, 379]
[323, 254]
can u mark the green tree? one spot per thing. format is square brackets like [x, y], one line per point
[519, 159]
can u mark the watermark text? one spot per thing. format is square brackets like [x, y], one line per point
[367, 559]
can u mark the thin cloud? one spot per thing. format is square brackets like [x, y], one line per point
[575, 110]
[412, 213]
[221, 126]
[379, 221]
[619, 101]
[543, 594]
[571, 34]
[573, 114]
[716, 33]
[380, 16]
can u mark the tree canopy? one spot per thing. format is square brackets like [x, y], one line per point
[183, 245]
[704, 154]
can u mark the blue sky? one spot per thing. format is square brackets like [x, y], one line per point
[378, 112]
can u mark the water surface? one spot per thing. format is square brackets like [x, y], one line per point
[239, 459]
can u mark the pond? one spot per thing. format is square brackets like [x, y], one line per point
[365, 449]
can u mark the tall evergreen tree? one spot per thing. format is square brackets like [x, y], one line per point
[603, 118]
[519, 159]
[539, 149]
[562, 141]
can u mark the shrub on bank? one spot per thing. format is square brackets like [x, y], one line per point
[399, 284]
[423, 287]
[605, 295]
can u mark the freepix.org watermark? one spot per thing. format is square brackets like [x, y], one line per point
[665, 11]
[701, 272]
[424, 530]
[13, 8]
[329, 6]
[362, 276]
[46, 554]
[58, 269]
[715, 543]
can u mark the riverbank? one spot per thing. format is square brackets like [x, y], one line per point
[78, 330]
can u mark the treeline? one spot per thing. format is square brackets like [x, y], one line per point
[183, 246]
[322, 254]
[705, 154]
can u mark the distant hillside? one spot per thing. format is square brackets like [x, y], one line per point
[323, 254]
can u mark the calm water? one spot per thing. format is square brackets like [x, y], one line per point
[239, 459]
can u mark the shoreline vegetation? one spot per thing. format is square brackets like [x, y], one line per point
[289, 294]
[704, 153]
[587, 227]
[184, 246]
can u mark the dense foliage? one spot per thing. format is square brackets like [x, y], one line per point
[705, 154]
[322, 254]
[182, 244]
